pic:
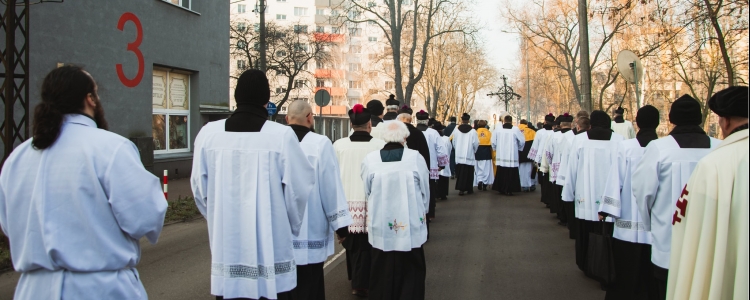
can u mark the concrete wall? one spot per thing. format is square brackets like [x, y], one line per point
[85, 33]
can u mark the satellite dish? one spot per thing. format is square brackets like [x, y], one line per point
[629, 65]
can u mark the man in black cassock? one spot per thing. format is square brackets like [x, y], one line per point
[376, 109]
[465, 144]
[416, 139]
[391, 107]
[447, 132]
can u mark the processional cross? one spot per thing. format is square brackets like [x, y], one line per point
[505, 93]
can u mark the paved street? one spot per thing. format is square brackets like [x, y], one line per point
[482, 246]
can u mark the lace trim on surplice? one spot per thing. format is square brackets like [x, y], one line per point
[252, 272]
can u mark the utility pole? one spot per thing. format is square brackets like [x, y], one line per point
[583, 44]
[528, 83]
[262, 28]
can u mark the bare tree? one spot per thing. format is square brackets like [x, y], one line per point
[290, 51]
[409, 26]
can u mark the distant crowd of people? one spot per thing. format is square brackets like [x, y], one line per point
[75, 199]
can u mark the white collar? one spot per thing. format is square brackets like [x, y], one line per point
[79, 119]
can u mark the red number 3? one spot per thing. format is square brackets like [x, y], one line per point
[132, 47]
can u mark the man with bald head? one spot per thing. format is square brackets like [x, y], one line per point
[326, 205]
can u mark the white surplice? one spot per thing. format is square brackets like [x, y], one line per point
[507, 142]
[625, 129]
[465, 146]
[75, 211]
[710, 235]
[619, 201]
[253, 188]
[398, 198]
[657, 184]
[536, 151]
[589, 162]
[554, 152]
[350, 156]
[448, 147]
[327, 209]
[439, 156]
[484, 172]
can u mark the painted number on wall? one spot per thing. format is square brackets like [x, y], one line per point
[132, 47]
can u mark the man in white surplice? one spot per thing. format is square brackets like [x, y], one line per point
[507, 141]
[661, 175]
[397, 187]
[622, 126]
[465, 145]
[75, 199]
[350, 153]
[590, 157]
[327, 209]
[631, 246]
[251, 181]
[711, 226]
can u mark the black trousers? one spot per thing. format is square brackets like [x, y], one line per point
[559, 204]
[310, 284]
[570, 213]
[633, 271]
[358, 260]
[433, 194]
[658, 286]
[398, 275]
[281, 296]
[582, 240]
[542, 185]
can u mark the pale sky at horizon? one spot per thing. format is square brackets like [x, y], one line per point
[501, 49]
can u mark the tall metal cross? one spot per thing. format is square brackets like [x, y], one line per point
[505, 93]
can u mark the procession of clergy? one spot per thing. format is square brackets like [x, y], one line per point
[75, 199]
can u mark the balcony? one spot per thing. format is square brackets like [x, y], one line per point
[330, 110]
[334, 91]
[328, 37]
[326, 73]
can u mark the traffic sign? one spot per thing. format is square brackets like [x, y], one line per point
[322, 97]
[271, 108]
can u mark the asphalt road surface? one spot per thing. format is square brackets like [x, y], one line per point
[482, 246]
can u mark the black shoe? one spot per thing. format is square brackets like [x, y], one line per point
[509, 194]
[461, 193]
[562, 224]
[470, 192]
[484, 187]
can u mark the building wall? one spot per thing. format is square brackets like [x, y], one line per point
[85, 33]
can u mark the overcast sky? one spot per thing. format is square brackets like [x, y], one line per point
[500, 47]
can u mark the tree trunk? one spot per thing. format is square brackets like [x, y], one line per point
[583, 44]
[712, 14]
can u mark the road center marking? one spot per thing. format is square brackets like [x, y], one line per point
[334, 258]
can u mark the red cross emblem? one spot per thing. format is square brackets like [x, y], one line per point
[682, 203]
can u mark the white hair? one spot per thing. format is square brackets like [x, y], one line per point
[404, 117]
[394, 132]
[392, 108]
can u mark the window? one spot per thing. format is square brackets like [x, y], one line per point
[280, 17]
[406, 2]
[372, 56]
[320, 65]
[300, 11]
[170, 120]
[320, 11]
[335, 30]
[334, 13]
[355, 31]
[320, 29]
[354, 67]
[388, 67]
[241, 45]
[241, 26]
[183, 3]
[371, 4]
[256, 27]
[355, 84]
[300, 28]
[280, 53]
[389, 85]
[354, 15]
[280, 0]
[280, 90]
[241, 8]
[355, 49]
[299, 47]
[372, 74]
[320, 83]
[241, 64]
[371, 23]
[372, 39]
[299, 83]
